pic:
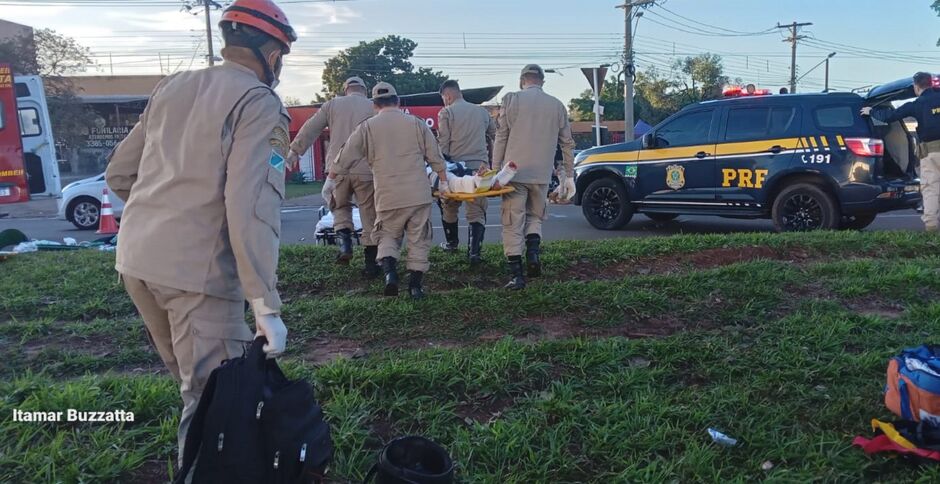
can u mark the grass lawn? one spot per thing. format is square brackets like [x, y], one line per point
[609, 368]
[296, 190]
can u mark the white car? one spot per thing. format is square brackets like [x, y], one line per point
[81, 202]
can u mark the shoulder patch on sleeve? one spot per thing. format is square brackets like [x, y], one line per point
[279, 140]
[277, 161]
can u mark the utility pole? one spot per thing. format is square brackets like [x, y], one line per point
[628, 67]
[827, 74]
[207, 4]
[793, 39]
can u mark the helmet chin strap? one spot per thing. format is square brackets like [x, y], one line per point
[269, 78]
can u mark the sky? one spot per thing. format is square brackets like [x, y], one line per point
[486, 42]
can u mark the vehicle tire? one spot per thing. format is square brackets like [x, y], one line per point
[605, 204]
[661, 217]
[805, 206]
[84, 213]
[857, 222]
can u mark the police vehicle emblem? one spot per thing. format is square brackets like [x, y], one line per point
[675, 176]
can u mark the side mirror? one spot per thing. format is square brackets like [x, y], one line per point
[648, 141]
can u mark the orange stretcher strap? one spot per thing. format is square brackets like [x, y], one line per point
[466, 197]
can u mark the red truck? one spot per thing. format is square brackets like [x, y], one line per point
[28, 166]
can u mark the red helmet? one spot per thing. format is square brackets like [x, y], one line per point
[263, 15]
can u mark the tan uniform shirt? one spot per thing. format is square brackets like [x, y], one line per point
[398, 147]
[464, 132]
[531, 125]
[203, 176]
[341, 115]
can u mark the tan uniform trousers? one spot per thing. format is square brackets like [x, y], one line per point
[930, 188]
[364, 190]
[193, 333]
[523, 212]
[411, 222]
[476, 210]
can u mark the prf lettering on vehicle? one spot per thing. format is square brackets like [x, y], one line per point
[745, 178]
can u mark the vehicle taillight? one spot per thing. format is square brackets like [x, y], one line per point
[865, 146]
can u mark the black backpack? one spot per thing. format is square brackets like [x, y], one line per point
[253, 425]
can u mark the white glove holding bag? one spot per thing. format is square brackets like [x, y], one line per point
[443, 186]
[269, 324]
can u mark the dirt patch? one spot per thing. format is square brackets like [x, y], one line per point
[585, 270]
[91, 346]
[151, 472]
[485, 410]
[533, 330]
[877, 308]
[325, 350]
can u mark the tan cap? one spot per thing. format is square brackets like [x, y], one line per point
[383, 90]
[354, 81]
[533, 69]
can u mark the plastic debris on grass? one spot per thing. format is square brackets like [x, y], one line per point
[105, 244]
[722, 439]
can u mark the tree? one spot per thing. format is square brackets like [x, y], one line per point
[292, 101]
[936, 8]
[385, 59]
[655, 96]
[20, 53]
[582, 107]
[56, 56]
[700, 78]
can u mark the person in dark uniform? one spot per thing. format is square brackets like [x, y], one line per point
[926, 110]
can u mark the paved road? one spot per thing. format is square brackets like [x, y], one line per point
[565, 222]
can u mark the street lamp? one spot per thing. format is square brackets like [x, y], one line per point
[825, 61]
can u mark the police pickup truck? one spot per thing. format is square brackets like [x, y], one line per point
[806, 161]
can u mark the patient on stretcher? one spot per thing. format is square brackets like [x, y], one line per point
[479, 182]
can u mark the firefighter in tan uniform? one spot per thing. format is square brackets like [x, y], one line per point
[465, 133]
[531, 125]
[342, 115]
[203, 176]
[398, 147]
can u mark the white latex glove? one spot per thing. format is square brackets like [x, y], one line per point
[443, 186]
[570, 188]
[293, 159]
[328, 187]
[866, 111]
[268, 323]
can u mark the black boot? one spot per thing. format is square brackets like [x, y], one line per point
[345, 246]
[518, 276]
[451, 236]
[532, 251]
[474, 249]
[414, 285]
[391, 276]
[372, 269]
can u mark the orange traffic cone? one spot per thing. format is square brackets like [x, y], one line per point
[107, 225]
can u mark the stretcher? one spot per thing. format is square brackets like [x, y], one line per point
[469, 197]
